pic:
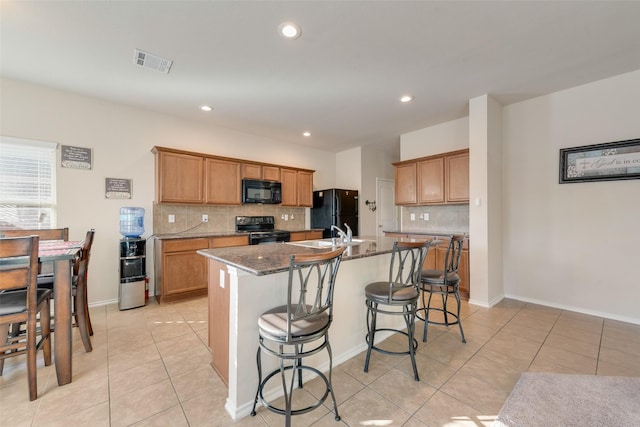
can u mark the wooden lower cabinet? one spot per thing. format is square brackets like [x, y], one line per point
[436, 257]
[180, 272]
[297, 236]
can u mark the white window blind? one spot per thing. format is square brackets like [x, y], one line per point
[27, 183]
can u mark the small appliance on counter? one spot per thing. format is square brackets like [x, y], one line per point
[133, 265]
[335, 207]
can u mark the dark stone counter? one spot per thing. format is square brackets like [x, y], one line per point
[274, 258]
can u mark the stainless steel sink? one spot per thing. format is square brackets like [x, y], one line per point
[326, 243]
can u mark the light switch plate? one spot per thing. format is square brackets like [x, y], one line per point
[172, 218]
[425, 216]
[413, 217]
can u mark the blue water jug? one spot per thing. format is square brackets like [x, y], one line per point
[131, 222]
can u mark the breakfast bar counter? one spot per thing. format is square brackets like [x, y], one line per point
[246, 281]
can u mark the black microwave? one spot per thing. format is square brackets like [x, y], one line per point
[256, 191]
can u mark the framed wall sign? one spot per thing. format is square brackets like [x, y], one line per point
[600, 162]
[75, 157]
[117, 188]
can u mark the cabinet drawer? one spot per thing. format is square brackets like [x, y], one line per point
[180, 245]
[224, 242]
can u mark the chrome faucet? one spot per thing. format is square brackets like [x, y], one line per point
[343, 236]
[349, 233]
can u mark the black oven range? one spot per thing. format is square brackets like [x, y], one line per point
[261, 229]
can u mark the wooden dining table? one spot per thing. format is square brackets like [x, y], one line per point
[61, 254]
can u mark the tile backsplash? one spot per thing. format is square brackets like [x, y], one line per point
[188, 218]
[445, 218]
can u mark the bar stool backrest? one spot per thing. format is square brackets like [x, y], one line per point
[311, 286]
[452, 257]
[406, 265]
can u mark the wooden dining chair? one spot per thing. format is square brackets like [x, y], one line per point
[80, 302]
[44, 234]
[21, 302]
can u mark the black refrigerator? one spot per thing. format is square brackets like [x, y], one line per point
[335, 207]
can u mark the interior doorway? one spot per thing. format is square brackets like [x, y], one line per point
[386, 210]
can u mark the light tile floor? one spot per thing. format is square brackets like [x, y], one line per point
[150, 367]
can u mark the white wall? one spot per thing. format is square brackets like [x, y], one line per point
[572, 245]
[121, 138]
[448, 136]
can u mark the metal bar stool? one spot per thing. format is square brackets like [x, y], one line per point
[443, 282]
[303, 321]
[398, 296]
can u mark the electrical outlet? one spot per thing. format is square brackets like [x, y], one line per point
[413, 217]
[286, 217]
[425, 216]
[205, 218]
[172, 219]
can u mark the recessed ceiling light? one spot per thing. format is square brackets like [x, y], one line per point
[306, 133]
[289, 30]
[206, 108]
[406, 98]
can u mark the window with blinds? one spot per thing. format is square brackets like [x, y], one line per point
[27, 183]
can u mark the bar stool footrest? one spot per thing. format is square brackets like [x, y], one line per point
[440, 310]
[397, 331]
[281, 411]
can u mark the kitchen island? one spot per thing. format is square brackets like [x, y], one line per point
[246, 281]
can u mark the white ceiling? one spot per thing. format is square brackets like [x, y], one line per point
[340, 80]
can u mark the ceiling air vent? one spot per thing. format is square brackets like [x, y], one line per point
[152, 62]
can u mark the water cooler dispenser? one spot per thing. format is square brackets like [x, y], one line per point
[133, 270]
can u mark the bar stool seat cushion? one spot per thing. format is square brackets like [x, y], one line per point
[273, 324]
[14, 302]
[379, 292]
[436, 276]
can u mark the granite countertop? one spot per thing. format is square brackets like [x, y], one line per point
[274, 258]
[205, 234]
[429, 233]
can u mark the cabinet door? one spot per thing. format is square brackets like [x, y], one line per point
[183, 269]
[251, 171]
[305, 188]
[405, 176]
[271, 173]
[228, 241]
[179, 178]
[457, 169]
[431, 181]
[222, 182]
[289, 187]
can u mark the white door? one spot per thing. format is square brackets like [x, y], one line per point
[386, 212]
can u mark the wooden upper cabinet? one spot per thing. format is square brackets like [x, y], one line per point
[406, 178]
[179, 178]
[440, 179]
[186, 177]
[251, 171]
[305, 188]
[255, 171]
[431, 181]
[289, 179]
[297, 187]
[457, 170]
[271, 173]
[222, 179]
